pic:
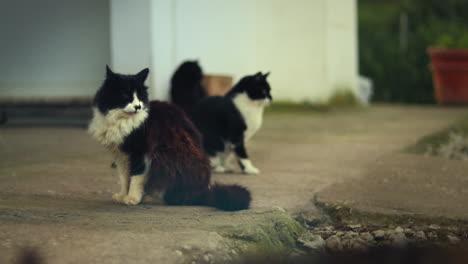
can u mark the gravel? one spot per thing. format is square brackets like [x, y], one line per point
[361, 237]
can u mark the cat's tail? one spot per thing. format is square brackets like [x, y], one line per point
[224, 197]
[229, 197]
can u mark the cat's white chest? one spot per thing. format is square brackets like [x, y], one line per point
[252, 112]
[111, 129]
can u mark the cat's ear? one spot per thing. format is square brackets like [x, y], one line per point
[258, 76]
[266, 75]
[142, 75]
[109, 72]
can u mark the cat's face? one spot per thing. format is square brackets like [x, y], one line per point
[259, 88]
[125, 93]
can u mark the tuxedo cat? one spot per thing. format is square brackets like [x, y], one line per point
[186, 86]
[228, 122]
[156, 147]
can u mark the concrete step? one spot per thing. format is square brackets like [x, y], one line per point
[76, 115]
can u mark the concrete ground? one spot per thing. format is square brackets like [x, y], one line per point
[56, 185]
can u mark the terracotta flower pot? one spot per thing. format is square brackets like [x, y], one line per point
[450, 75]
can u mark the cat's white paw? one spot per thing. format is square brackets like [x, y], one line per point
[219, 169]
[118, 197]
[130, 200]
[251, 170]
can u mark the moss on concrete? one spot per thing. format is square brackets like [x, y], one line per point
[276, 232]
[437, 139]
[341, 98]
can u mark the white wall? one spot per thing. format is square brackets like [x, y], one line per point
[58, 48]
[221, 34]
[291, 43]
[309, 46]
[130, 35]
[342, 45]
[52, 48]
[162, 46]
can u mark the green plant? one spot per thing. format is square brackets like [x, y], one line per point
[400, 72]
[343, 97]
[452, 41]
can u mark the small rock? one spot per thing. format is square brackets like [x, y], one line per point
[378, 234]
[314, 242]
[346, 243]
[206, 258]
[329, 228]
[334, 243]
[434, 227]
[398, 239]
[367, 237]
[409, 233]
[399, 230]
[358, 244]
[354, 226]
[340, 233]
[351, 234]
[234, 252]
[432, 235]
[187, 247]
[420, 235]
[179, 253]
[281, 209]
[453, 239]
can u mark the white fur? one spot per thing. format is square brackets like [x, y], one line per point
[131, 186]
[136, 189]
[123, 169]
[249, 168]
[132, 107]
[112, 128]
[217, 164]
[252, 112]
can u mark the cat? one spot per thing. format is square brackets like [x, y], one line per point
[186, 86]
[156, 147]
[228, 122]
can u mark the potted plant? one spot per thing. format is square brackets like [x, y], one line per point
[449, 65]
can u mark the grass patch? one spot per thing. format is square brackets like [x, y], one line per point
[344, 98]
[276, 233]
[340, 99]
[296, 108]
[440, 139]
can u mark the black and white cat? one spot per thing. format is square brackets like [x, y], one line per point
[156, 147]
[228, 122]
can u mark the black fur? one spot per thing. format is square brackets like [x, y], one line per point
[256, 86]
[186, 86]
[117, 90]
[220, 121]
[168, 137]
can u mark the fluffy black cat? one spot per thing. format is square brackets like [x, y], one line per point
[156, 147]
[228, 122]
[186, 86]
